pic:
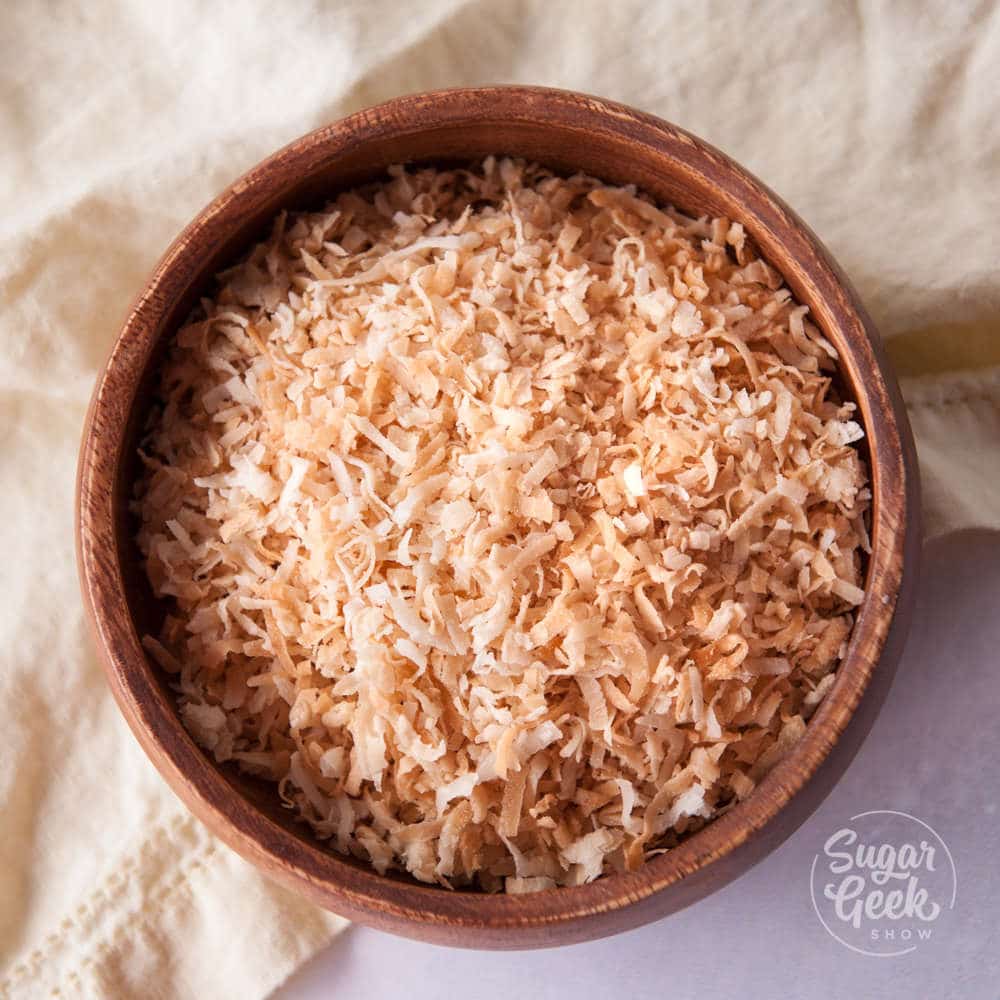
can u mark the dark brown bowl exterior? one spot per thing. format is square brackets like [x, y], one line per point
[567, 132]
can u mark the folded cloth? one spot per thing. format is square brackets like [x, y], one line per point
[956, 421]
[118, 121]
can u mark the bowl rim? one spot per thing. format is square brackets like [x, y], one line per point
[359, 892]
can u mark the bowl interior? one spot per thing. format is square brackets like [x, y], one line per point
[567, 133]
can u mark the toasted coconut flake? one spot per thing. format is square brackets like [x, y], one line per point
[633, 480]
[510, 523]
[538, 883]
[588, 853]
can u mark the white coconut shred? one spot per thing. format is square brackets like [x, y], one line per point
[510, 522]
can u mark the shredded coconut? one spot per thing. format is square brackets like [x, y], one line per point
[511, 523]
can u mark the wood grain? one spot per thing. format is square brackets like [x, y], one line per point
[568, 132]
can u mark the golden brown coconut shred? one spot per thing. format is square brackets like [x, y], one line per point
[510, 522]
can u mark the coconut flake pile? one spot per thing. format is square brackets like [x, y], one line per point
[510, 523]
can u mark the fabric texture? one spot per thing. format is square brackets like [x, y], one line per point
[118, 121]
[956, 422]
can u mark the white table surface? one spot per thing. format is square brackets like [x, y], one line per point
[934, 752]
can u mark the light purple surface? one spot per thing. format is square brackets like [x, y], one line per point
[934, 753]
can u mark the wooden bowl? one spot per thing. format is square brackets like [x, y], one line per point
[567, 132]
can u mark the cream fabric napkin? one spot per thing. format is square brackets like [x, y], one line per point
[119, 121]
